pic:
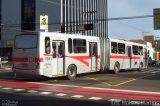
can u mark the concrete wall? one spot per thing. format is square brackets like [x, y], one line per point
[11, 18]
[52, 8]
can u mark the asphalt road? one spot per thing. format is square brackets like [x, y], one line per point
[15, 99]
[129, 80]
[132, 80]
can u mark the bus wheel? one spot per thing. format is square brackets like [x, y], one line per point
[140, 67]
[71, 72]
[116, 68]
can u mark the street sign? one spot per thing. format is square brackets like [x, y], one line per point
[157, 19]
[44, 22]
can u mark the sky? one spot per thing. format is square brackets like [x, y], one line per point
[132, 28]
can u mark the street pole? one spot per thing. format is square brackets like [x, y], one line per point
[107, 20]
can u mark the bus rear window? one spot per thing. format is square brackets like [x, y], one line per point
[25, 41]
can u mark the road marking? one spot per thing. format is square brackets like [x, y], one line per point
[154, 72]
[95, 98]
[45, 93]
[19, 90]
[6, 88]
[61, 94]
[114, 85]
[125, 82]
[108, 84]
[32, 91]
[145, 76]
[77, 96]
[64, 85]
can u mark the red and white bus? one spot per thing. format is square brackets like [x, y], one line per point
[55, 54]
[126, 55]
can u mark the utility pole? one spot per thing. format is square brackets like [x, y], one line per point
[107, 19]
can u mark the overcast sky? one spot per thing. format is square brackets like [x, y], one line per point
[133, 28]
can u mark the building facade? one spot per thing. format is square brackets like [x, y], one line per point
[87, 17]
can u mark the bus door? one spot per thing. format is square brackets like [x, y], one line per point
[130, 56]
[58, 50]
[93, 51]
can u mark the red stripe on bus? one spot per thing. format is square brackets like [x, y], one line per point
[82, 59]
[79, 58]
[124, 57]
[47, 54]
[25, 59]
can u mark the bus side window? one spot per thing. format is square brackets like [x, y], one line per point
[135, 50]
[140, 50]
[121, 48]
[79, 45]
[114, 47]
[61, 49]
[47, 45]
[69, 45]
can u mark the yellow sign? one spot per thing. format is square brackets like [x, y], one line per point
[44, 22]
[157, 19]
[10, 43]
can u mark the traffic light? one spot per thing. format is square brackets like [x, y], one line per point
[88, 27]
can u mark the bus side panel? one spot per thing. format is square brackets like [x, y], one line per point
[41, 50]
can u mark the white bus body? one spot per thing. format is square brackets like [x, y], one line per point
[55, 54]
[127, 55]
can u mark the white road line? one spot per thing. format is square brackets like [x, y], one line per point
[61, 94]
[63, 85]
[32, 91]
[19, 90]
[95, 98]
[154, 72]
[6, 88]
[45, 93]
[77, 96]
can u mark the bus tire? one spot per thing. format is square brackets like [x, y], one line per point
[116, 68]
[140, 67]
[71, 72]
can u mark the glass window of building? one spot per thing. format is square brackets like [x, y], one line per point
[0, 17]
[28, 15]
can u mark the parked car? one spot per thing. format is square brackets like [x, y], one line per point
[3, 58]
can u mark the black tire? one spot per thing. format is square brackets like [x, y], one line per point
[140, 67]
[71, 72]
[116, 68]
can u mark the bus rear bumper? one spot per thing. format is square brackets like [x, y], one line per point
[34, 72]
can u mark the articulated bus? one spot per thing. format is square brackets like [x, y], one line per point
[52, 54]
